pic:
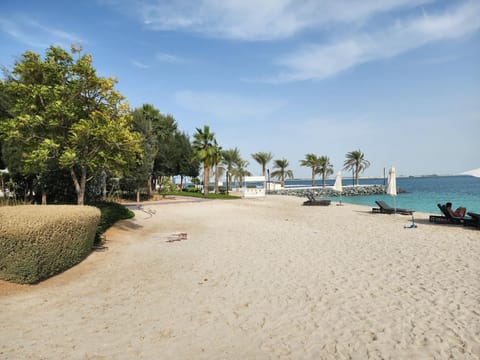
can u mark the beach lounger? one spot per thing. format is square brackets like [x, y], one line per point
[474, 220]
[384, 208]
[447, 218]
[316, 201]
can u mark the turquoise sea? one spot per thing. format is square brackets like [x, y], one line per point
[421, 193]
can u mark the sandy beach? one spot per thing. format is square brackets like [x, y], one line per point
[256, 279]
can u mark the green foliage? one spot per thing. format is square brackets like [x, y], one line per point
[282, 173]
[204, 147]
[166, 184]
[311, 161]
[263, 158]
[111, 212]
[319, 165]
[355, 160]
[57, 183]
[64, 115]
[2, 164]
[325, 168]
[147, 121]
[37, 242]
[191, 188]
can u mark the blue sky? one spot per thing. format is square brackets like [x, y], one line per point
[397, 79]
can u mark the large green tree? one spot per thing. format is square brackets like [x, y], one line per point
[355, 160]
[4, 105]
[64, 115]
[4, 101]
[150, 123]
[204, 146]
[282, 171]
[185, 163]
[144, 119]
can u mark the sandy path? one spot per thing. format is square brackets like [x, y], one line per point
[257, 279]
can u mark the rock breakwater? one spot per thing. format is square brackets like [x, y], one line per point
[328, 192]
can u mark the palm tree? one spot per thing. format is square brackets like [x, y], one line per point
[355, 160]
[229, 158]
[311, 161]
[217, 158]
[204, 145]
[324, 168]
[282, 172]
[263, 158]
[241, 171]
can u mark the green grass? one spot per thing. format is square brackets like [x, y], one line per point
[199, 195]
[111, 213]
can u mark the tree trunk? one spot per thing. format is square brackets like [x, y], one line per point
[216, 179]
[313, 176]
[79, 185]
[149, 186]
[104, 185]
[138, 195]
[83, 186]
[44, 197]
[206, 176]
[264, 171]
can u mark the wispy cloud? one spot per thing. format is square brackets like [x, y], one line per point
[318, 61]
[169, 58]
[32, 33]
[252, 20]
[438, 60]
[139, 64]
[227, 107]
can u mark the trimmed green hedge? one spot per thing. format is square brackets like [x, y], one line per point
[37, 242]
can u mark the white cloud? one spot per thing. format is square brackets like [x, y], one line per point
[253, 20]
[32, 33]
[169, 58]
[320, 61]
[227, 107]
[139, 64]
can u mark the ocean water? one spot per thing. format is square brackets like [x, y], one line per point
[421, 193]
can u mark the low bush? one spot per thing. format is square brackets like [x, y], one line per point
[37, 242]
[192, 188]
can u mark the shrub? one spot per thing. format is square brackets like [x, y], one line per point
[37, 242]
[192, 188]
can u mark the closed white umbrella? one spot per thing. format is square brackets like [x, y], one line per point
[392, 182]
[392, 186]
[338, 185]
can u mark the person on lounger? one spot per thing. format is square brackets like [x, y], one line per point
[459, 212]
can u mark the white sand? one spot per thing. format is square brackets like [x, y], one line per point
[257, 279]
